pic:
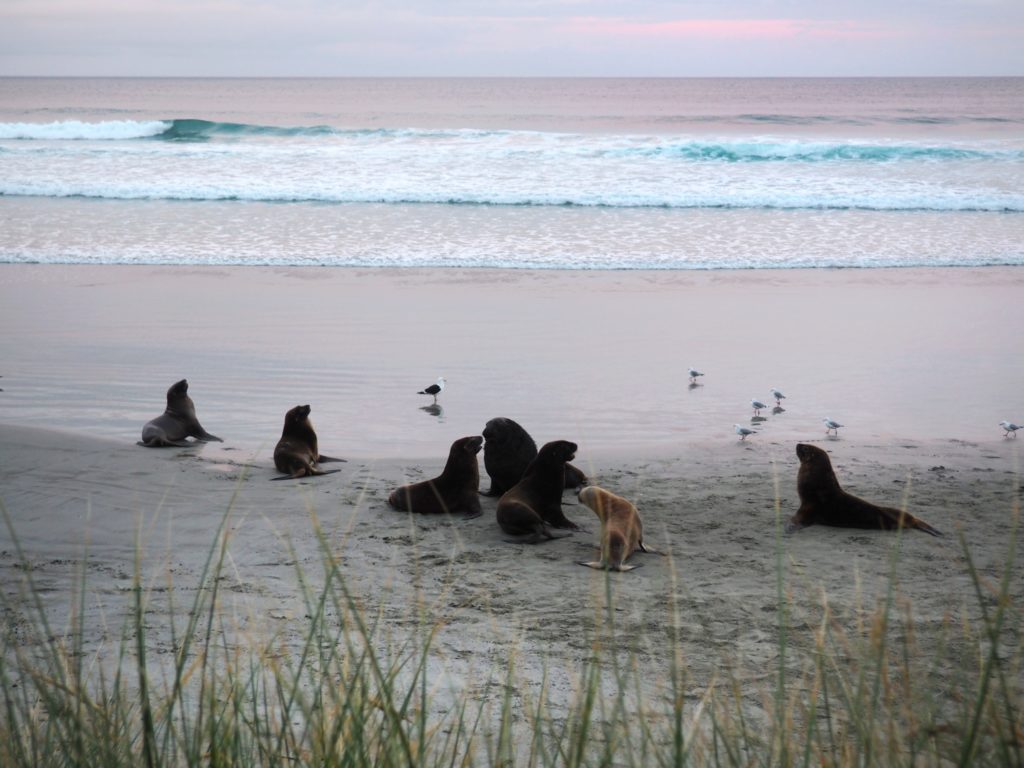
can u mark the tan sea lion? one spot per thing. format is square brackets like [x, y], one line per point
[176, 423]
[533, 506]
[297, 453]
[508, 452]
[823, 501]
[622, 533]
[456, 489]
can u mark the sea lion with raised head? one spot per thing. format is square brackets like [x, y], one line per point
[533, 506]
[456, 489]
[622, 533]
[297, 453]
[508, 452]
[824, 502]
[176, 423]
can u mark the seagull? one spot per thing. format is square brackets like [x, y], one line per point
[1010, 427]
[779, 397]
[757, 405]
[831, 426]
[434, 389]
[694, 373]
[743, 431]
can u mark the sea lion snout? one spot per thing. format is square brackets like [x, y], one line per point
[475, 443]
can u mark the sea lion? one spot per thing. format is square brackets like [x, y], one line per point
[176, 423]
[297, 453]
[533, 506]
[823, 501]
[508, 452]
[622, 533]
[456, 489]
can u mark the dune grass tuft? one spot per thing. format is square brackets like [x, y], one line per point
[848, 690]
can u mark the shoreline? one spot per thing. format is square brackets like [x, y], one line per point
[596, 357]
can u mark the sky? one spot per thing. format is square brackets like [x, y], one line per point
[669, 38]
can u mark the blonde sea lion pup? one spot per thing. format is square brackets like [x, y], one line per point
[622, 533]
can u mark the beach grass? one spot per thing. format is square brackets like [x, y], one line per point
[855, 687]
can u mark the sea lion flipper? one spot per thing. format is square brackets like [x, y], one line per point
[794, 525]
[601, 565]
[644, 548]
[206, 437]
[323, 459]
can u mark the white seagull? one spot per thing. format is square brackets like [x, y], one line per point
[831, 426]
[757, 405]
[434, 389]
[694, 373]
[779, 397]
[743, 431]
[1010, 427]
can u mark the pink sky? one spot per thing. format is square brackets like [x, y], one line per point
[502, 37]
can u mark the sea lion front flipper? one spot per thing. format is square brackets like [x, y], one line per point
[206, 437]
[600, 565]
[323, 459]
[163, 442]
[793, 524]
[644, 548]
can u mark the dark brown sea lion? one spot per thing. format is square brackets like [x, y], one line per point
[508, 452]
[176, 423]
[533, 506]
[456, 489]
[622, 533]
[823, 501]
[297, 453]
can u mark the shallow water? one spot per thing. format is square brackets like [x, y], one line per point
[596, 357]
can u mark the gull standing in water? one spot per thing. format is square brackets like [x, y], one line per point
[434, 389]
[779, 397]
[1010, 427]
[743, 431]
[831, 426]
[758, 406]
[694, 373]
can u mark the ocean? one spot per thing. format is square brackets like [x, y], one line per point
[513, 173]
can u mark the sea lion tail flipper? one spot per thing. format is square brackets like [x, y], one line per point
[921, 525]
[644, 548]
[323, 458]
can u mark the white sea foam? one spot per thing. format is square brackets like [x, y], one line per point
[76, 130]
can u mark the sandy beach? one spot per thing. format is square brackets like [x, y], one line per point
[597, 358]
[91, 509]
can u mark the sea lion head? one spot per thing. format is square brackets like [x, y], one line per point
[297, 415]
[468, 445]
[178, 389]
[594, 497]
[811, 454]
[557, 450]
[502, 430]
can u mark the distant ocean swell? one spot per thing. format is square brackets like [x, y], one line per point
[199, 160]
